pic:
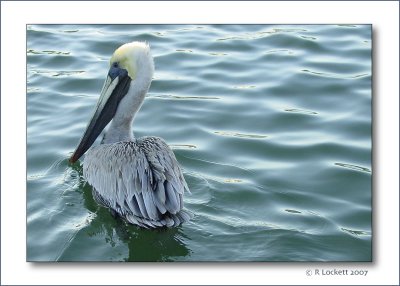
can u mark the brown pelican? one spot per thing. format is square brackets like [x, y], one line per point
[137, 179]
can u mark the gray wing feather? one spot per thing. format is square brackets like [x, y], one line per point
[142, 207]
[141, 180]
[133, 206]
[160, 192]
[151, 207]
[171, 201]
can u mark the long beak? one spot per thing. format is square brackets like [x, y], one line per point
[115, 88]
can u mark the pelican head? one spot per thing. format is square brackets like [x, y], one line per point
[129, 77]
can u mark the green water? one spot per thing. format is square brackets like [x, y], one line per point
[270, 123]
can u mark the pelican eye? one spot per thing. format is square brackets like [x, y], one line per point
[115, 70]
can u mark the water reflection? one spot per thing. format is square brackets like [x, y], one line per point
[332, 75]
[143, 245]
[353, 167]
[155, 245]
[49, 52]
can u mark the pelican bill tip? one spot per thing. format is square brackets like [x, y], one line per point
[73, 158]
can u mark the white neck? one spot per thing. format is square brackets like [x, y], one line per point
[121, 125]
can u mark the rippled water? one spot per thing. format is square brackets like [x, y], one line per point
[271, 124]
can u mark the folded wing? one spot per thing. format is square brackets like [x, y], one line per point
[140, 180]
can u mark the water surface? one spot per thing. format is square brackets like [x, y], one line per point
[270, 123]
